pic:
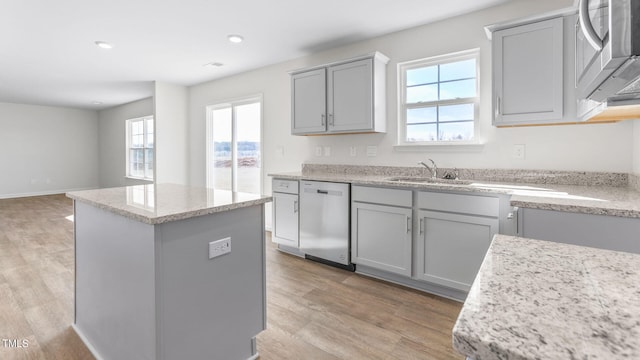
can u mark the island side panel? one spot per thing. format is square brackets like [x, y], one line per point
[115, 292]
[211, 308]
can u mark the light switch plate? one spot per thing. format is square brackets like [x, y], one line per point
[219, 247]
[318, 150]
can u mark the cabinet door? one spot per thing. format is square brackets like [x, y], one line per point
[451, 247]
[285, 219]
[381, 237]
[528, 73]
[308, 102]
[350, 96]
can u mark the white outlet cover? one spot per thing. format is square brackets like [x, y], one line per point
[219, 247]
[353, 151]
[327, 151]
[318, 150]
[518, 151]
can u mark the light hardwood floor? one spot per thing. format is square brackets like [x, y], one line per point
[314, 311]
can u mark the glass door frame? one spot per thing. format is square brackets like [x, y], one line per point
[209, 141]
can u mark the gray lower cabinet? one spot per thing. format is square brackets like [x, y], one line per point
[451, 247]
[599, 231]
[455, 231]
[285, 213]
[381, 237]
[381, 228]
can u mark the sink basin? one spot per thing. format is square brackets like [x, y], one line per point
[426, 180]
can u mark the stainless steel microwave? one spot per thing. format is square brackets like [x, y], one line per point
[608, 50]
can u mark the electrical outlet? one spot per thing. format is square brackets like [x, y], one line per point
[518, 151]
[327, 151]
[318, 150]
[352, 151]
[219, 247]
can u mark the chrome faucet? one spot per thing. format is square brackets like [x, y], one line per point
[433, 168]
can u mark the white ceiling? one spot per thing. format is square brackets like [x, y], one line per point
[48, 55]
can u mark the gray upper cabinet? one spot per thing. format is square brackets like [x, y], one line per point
[342, 97]
[308, 110]
[529, 74]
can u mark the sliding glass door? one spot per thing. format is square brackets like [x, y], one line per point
[234, 145]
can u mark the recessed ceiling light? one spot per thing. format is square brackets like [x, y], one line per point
[103, 45]
[235, 38]
[213, 64]
[96, 103]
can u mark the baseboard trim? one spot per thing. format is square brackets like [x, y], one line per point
[86, 342]
[43, 193]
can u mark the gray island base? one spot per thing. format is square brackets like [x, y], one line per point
[146, 287]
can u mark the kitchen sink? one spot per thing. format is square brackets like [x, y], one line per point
[428, 180]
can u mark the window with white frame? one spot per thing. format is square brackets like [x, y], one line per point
[140, 148]
[438, 99]
[234, 145]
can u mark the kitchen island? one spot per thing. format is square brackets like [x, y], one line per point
[169, 272]
[536, 299]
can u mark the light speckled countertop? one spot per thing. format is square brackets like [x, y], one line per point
[156, 204]
[601, 199]
[536, 299]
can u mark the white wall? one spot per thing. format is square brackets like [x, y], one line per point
[47, 150]
[171, 122]
[601, 147]
[112, 140]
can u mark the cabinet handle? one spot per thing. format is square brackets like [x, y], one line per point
[295, 206]
[331, 119]
[322, 119]
[408, 224]
[498, 104]
[421, 226]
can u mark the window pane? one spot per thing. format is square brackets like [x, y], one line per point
[136, 128]
[421, 115]
[458, 70]
[148, 163]
[456, 112]
[423, 93]
[422, 133]
[423, 75]
[458, 89]
[136, 167]
[149, 134]
[222, 149]
[456, 131]
[137, 141]
[248, 147]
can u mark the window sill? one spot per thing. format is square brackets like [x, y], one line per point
[440, 147]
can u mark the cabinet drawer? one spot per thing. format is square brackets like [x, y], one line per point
[383, 196]
[285, 186]
[456, 203]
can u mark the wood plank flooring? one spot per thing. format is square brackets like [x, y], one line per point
[314, 311]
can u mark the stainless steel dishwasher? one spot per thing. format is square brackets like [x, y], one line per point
[324, 223]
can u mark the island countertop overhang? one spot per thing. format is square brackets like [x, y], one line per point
[536, 299]
[160, 203]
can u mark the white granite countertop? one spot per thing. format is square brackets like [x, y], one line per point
[160, 203]
[536, 299]
[596, 199]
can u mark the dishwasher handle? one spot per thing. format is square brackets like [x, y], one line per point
[325, 192]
